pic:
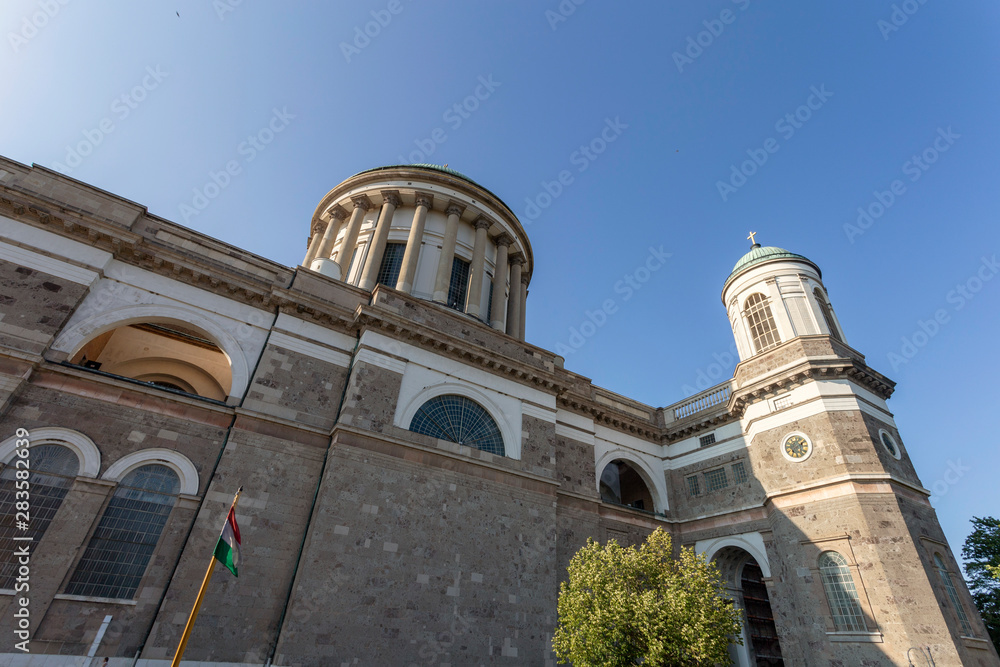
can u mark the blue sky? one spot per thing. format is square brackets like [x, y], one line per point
[691, 90]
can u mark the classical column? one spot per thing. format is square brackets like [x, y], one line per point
[376, 244]
[322, 262]
[409, 269]
[442, 283]
[524, 303]
[315, 238]
[514, 298]
[475, 302]
[498, 309]
[350, 242]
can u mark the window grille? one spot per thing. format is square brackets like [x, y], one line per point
[841, 593]
[949, 587]
[51, 472]
[761, 322]
[716, 479]
[827, 311]
[459, 284]
[127, 534]
[392, 261]
[459, 419]
[783, 402]
[707, 440]
[739, 472]
[694, 488]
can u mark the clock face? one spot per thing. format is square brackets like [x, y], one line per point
[796, 446]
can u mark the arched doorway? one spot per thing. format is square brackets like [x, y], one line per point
[621, 484]
[745, 582]
[166, 354]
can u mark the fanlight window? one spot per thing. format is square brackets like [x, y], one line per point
[459, 419]
[51, 472]
[129, 530]
[949, 587]
[824, 307]
[761, 322]
[841, 593]
[621, 484]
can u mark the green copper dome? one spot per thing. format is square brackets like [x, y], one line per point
[760, 254]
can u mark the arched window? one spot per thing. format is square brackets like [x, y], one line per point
[761, 322]
[949, 587]
[459, 419]
[827, 311]
[127, 534]
[841, 594]
[51, 471]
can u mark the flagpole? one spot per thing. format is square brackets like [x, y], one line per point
[201, 593]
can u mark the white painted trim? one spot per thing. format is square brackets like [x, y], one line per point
[54, 244]
[575, 434]
[704, 453]
[315, 332]
[179, 463]
[75, 337]
[511, 443]
[78, 443]
[50, 265]
[312, 350]
[538, 412]
[752, 543]
[374, 358]
[649, 476]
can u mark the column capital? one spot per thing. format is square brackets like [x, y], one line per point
[482, 223]
[337, 212]
[362, 202]
[517, 258]
[503, 239]
[390, 197]
[424, 199]
[318, 227]
[455, 208]
[524, 279]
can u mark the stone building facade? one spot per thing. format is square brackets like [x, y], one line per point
[416, 475]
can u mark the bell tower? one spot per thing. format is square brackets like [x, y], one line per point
[860, 567]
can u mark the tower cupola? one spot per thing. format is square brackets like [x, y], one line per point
[774, 295]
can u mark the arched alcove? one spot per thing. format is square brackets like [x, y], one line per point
[621, 484]
[744, 579]
[168, 354]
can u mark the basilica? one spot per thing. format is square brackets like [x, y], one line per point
[416, 474]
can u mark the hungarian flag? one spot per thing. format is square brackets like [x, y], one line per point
[227, 551]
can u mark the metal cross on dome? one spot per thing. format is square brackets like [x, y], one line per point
[752, 234]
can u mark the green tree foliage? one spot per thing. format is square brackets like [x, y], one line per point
[981, 552]
[632, 606]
